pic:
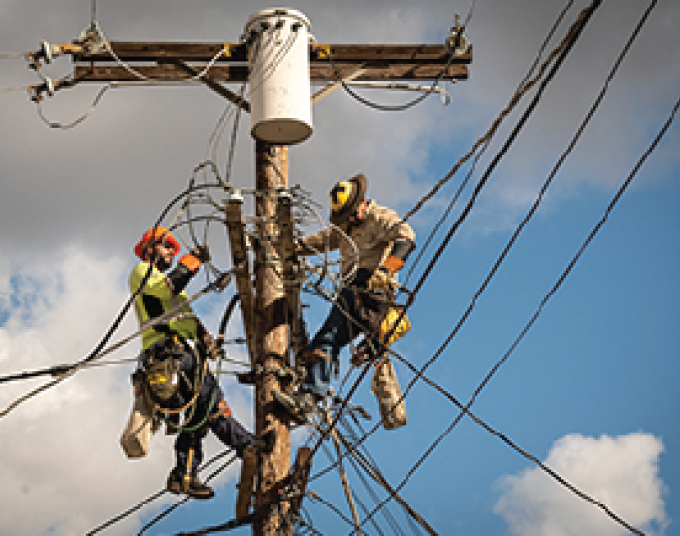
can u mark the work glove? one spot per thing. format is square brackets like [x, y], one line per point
[202, 253]
[381, 279]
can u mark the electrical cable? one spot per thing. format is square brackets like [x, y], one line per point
[151, 498]
[56, 370]
[619, 62]
[468, 17]
[383, 107]
[77, 121]
[574, 33]
[107, 45]
[354, 462]
[465, 409]
[544, 188]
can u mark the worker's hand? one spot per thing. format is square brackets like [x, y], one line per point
[202, 253]
[380, 280]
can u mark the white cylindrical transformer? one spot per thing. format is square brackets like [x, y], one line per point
[280, 88]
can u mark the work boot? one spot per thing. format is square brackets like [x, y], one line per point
[300, 405]
[198, 490]
[265, 443]
[174, 484]
[194, 488]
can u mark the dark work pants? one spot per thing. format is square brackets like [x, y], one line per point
[337, 331]
[227, 429]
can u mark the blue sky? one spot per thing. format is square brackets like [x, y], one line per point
[589, 391]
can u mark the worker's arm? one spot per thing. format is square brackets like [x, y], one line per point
[399, 234]
[317, 243]
[187, 267]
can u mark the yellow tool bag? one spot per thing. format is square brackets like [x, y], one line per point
[385, 387]
[388, 323]
[136, 437]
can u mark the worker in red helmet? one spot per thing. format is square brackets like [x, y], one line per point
[384, 241]
[173, 365]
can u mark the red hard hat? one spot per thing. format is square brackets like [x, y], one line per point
[156, 234]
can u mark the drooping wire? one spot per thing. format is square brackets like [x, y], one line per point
[77, 121]
[389, 108]
[109, 49]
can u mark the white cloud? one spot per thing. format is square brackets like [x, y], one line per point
[620, 472]
[63, 469]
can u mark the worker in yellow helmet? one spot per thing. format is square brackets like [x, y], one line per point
[173, 369]
[384, 242]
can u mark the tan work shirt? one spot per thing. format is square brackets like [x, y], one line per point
[374, 238]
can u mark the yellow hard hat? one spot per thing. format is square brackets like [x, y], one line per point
[346, 196]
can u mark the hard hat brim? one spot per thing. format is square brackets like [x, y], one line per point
[359, 192]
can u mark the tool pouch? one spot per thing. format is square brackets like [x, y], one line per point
[141, 426]
[161, 371]
[385, 387]
[389, 325]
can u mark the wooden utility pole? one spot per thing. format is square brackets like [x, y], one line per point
[269, 313]
[272, 334]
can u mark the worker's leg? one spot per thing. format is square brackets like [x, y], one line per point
[227, 428]
[337, 331]
[184, 477]
[183, 444]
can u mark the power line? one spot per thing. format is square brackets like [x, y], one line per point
[565, 48]
[58, 370]
[591, 236]
[543, 190]
[574, 260]
[595, 106]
